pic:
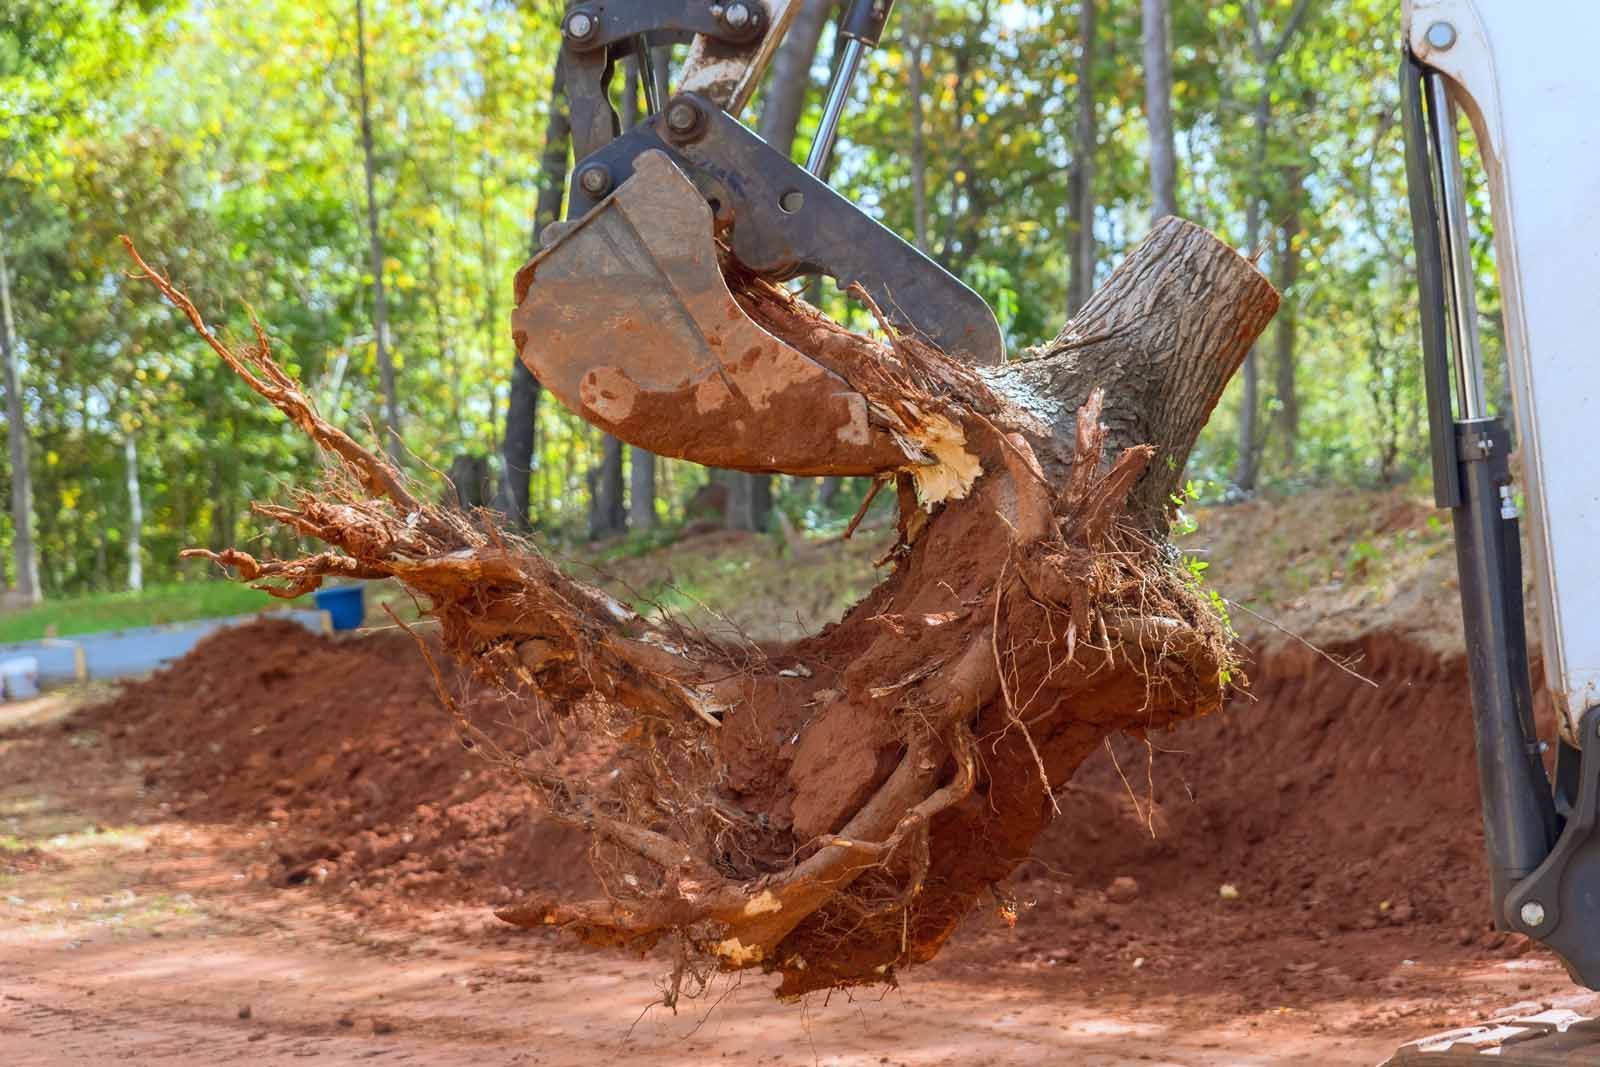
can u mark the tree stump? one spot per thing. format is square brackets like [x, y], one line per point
[829, 808]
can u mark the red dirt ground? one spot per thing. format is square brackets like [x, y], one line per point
[324, 774]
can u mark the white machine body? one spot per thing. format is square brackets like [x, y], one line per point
[1526, 75]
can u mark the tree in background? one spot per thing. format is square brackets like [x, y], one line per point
[1158, 110]
[522, 408]
[24, 552]
[608, 513]
[1267, 45]
[1080, 189]
[228, 139]
[380, 311]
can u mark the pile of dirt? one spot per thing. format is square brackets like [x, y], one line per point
[1320, 833]
[341, 750]
[1340, 813]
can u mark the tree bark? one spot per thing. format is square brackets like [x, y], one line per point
[1286, 274]
[1158, 110]
[1267, 54]
[1250, 376]
[1080, 186]
[914, 34]
[641, 464]
[522, 408]
[641, 489]
[380, 310]
[130, 455]
[24, 549]
[608, 515]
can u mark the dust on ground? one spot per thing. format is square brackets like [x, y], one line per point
[278, 848]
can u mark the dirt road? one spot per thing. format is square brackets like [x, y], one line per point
[128, 935]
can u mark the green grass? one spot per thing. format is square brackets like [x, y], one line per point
[117, 611]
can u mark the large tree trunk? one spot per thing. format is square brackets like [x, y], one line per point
[24, 550]
[829, 808]
[380, 309]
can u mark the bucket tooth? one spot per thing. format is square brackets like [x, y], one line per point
[627, 319]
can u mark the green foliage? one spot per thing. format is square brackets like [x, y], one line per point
[224, 138]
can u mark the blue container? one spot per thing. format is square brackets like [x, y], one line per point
[344, 605]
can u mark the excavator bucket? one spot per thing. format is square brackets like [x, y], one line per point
[626, 317]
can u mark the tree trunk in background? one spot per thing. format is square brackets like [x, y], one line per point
[641, 489]
[1266, 56]
[915, 43]
[24, 549]
[641, 464]
[1080, 187]
[130, 454]
[1249, 374]
[783, 100]
[607, 514]
[380, 311]
[1158, 110]
[522, 410]
[1286, 272]
[782, 103]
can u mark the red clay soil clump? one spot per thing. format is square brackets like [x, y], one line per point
[342, 749]
[1333, 807]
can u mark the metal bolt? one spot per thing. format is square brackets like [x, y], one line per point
[683, 117]
[737, 15]
[1532, 914]
[595, 179]
[1442, 35]
[792, 201]
[581, 25]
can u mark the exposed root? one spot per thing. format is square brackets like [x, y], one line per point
[828, 808]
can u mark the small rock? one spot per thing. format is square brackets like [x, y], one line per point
[345, 1021]
[245, 1012]
[380, 1026]
[1122, 889]
[259, 1035]
[1228, 891]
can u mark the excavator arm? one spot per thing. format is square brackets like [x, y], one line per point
[658, 214]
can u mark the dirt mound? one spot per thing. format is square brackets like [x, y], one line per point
[1344, 815]
[342, 750]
